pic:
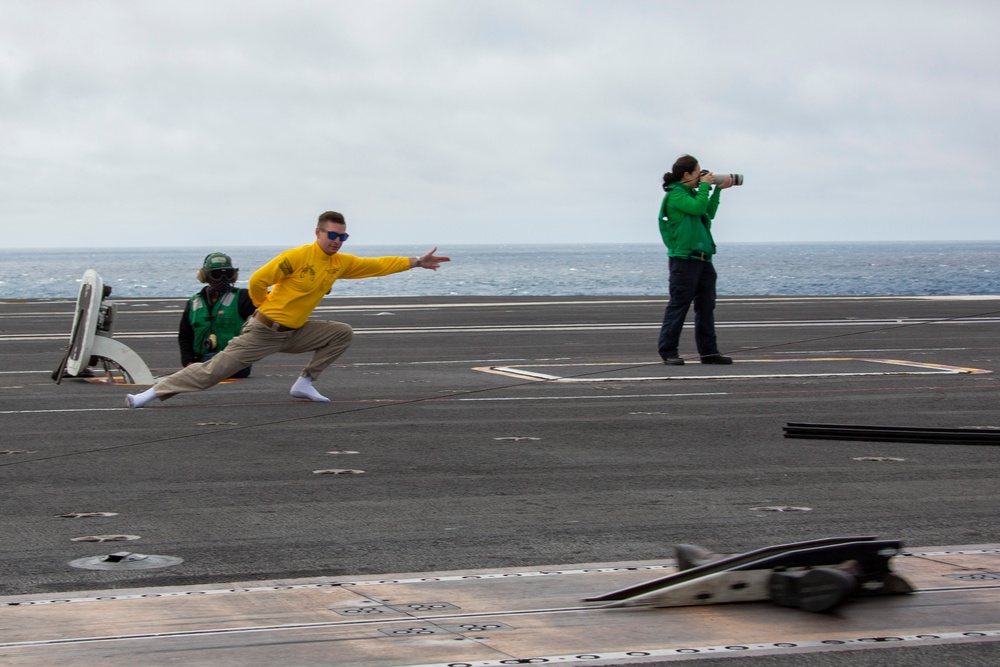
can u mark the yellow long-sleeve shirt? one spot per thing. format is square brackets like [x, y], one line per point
[300, 277]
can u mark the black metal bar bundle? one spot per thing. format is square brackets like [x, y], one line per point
[918, 434]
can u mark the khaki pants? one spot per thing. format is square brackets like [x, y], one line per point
[326, 340]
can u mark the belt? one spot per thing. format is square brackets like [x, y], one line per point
[269, 323]
[701, 256]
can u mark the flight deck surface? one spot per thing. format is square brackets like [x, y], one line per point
[492, 438]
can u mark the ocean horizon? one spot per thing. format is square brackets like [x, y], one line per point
[931, 268]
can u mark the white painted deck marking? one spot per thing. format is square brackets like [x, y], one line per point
[604, 396]
[522, 371]
[564, 327]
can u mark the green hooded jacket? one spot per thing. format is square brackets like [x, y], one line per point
[686, 219]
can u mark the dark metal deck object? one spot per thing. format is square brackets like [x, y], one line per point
[914, 434]
[817, 575]
[125, 560]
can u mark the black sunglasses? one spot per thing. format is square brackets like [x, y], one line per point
[333, 236]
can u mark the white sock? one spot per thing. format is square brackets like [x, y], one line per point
[140, 400]
[303, 388]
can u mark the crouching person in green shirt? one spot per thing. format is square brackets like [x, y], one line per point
[216, 314]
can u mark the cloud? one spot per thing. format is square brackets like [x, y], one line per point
[185, 123]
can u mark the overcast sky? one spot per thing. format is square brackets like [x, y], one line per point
[137, 123]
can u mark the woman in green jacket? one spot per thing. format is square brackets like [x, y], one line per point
[686, 214]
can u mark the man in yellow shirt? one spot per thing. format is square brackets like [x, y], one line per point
[298, 279]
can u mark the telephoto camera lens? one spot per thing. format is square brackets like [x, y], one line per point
[719, 178]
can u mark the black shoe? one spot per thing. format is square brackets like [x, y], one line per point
[674, 361]
[716, 359]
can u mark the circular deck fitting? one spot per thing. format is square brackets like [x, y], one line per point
[780, 508]
[338, 471]
[878, 459]
[344, 452]
[125, 560]
[105, 538]
[85, 515]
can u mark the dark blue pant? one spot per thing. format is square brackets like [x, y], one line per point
[691, 281]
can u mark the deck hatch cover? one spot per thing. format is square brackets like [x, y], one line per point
[125, 560]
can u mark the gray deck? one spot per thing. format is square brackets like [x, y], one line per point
[501, 433]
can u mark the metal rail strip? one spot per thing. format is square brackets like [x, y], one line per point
[914, 434]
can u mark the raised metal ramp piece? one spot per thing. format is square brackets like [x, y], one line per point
[816, 575]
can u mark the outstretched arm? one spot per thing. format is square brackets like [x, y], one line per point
[428, 260]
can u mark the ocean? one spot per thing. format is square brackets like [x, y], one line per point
[745, 269]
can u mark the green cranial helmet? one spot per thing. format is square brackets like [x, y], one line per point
[214, 261]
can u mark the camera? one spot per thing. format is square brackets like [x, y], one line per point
[737, 178]
[210, 343]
